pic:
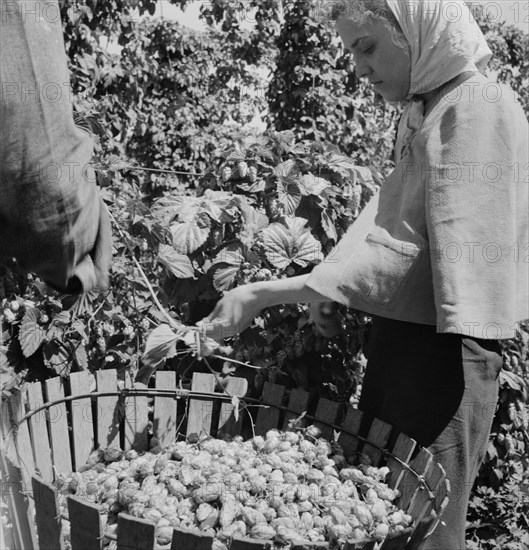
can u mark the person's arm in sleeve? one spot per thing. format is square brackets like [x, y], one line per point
[477, 216]
[52, 219]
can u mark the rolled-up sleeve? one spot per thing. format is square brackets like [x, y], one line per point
[476, 204]
[49, 203]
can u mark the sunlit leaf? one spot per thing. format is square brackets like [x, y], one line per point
[257, 187]
[512, 380]
[62, 318]
[285, 169]
[225, 268]
[161, 344]
[289, 195]
[166, 209]
[290, 241]
[341, 164]
[189, 211]
[219, 205]
[178, 264]
[365, 177]
[313, 185]
[189, 236]
[31, 334]
[224, 276]
[328, 226]
[254, 221]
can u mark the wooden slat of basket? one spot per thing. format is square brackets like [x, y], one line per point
[58, 425]
[23, 531]
[47, 518]
[3, 543]
[39, 432]
[86, 527]
[327, 411]
[397, 542]
[135, 533]
[109, 411]
[403, 450]
[165, 407]
[421, 530]
[190, 540]
[136, 418]
[24, 456]
[410, 483]
[268, 418]
[24, 448]
[227, 422]
[421, 505]
[441, 495]
[298, 402]
[200, 411]
[15, 504]
[352, 422]
[379, 434]
[82, 421]
[419, 500]
[242, 543]
[429, 522]
[7, 423]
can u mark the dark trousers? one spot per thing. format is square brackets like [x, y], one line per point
[441, 390]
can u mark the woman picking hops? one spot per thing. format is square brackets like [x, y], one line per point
[437, 256]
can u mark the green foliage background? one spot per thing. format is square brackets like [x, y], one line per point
[200, 199]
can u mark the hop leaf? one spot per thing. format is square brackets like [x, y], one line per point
[225, 268]
[178, 264]
[313, 185]
[289, 242]
[160, 345]
[328, 226]
[189, 236]
[289, 195]
[31, 334]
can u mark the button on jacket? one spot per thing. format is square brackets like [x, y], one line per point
[445, 241]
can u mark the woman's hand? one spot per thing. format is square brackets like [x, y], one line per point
[234, 312]
[327, 318]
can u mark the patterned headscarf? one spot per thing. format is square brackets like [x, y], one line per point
[444, 41]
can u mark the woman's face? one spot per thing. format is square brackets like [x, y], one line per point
[377, 58]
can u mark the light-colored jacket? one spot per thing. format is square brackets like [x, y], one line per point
[445, 241]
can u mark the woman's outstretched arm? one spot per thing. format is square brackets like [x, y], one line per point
[237, 309]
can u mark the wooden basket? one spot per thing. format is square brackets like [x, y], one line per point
[53, 431]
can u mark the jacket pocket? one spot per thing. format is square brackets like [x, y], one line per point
[379, 267]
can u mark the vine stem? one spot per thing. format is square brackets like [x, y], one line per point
[132, 168]
[92, 317]
[161, 170]
[237, 362]
[163, 311]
